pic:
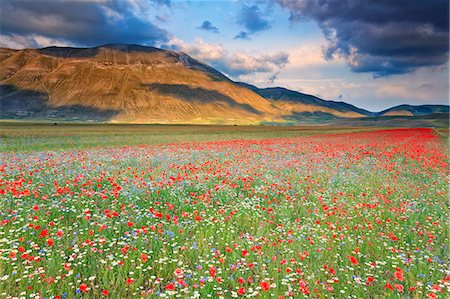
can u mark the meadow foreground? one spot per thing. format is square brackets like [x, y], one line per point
[350, 215]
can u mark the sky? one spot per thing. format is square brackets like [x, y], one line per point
[371, 53]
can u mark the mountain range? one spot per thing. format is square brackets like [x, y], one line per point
[138, 84]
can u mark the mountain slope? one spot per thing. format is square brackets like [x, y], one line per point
[304, 107]
[138, 84]
[409, 110]
[123, 83]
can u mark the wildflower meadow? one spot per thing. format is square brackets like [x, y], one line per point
[346, 215]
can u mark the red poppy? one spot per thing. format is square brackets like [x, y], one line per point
[353, 260]
[212, 271]
[129, 281]
[398, 274]
[264, 285]
[144, 257]
[83, 287]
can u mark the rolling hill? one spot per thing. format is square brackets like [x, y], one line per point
[123, 83]
[304, 106]
[410, 110]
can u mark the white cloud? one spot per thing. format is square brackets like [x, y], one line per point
[306, 56]
[30, 41]
[15, 42]
[234, 64]
[421, 86]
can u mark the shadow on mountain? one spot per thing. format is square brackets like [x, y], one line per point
[283, 94]
[68, 52]
[71, 52]
[17, 103]
[186, 93]
[311, 117]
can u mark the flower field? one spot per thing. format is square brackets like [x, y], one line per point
[349, 215]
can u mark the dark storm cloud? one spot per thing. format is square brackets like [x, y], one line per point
[208, 26]
[384, 37]
[253, 20]
[86, 23]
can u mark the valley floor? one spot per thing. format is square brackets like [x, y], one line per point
[60, 136]
[111, 211]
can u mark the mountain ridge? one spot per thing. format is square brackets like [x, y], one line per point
[140, 84]
[131, 83]
[282, 93]
[406, 109]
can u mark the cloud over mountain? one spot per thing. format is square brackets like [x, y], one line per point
[233, 64]
[383, 37]
[78, 22]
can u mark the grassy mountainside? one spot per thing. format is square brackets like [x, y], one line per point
[123, 83]
[302, 104]
[409, 110]
[136, 84]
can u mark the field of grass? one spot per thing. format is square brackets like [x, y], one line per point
[16, 136]
[435, 120]
[104, 211]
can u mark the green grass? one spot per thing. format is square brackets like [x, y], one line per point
[17, 136]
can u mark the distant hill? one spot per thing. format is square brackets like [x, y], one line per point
[414, 110]
[304, 105]
[342, 113]
[138, 84]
